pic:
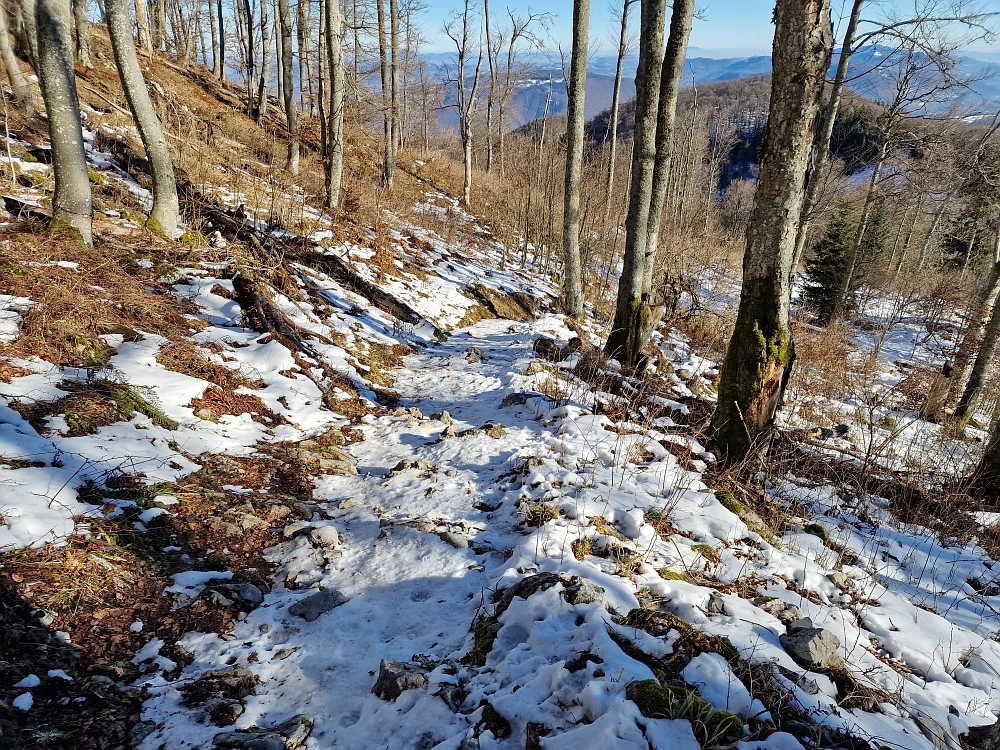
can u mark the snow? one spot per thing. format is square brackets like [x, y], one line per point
[23, 702]
[29, 682]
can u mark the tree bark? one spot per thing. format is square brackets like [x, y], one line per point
[265, 62]
[164, 214]
[389, 147]
[142, 26]
[82, 29]
[18, 83]
[616, 93]
[221, 49]
[278, 47]
[759, 358]
[622, 342]
[72, 207]
[577, 93]
[396, 69]
[828, 118]
[285, 20]
[491, 60]
[28, 11]
[335, 119]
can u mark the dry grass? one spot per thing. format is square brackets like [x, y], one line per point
[219, 402]
[189, 359]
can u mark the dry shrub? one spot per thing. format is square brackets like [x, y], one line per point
[708, 332]
[821, 358]
[188, 359]
[220, 402]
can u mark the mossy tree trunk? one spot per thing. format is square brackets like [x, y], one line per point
[630, 310]
[987, 479]
[165, 211]
[72, 206]
[759, 358]
[577, 92]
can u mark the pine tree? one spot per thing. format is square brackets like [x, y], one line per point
[829, 262]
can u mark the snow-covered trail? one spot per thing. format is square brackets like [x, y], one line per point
[412, 595]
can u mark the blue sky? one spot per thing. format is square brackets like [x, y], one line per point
[729, 28]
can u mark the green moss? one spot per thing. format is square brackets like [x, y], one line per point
[153, 225]
[710, 727]
[706, 551]
[730, 503]
[496, 432]
[28, 158]
[193, 238]
[96, 177]
[92, 353]
[763, 600]
[670, 575]
[817, 530]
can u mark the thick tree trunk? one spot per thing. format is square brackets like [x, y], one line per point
[987, 480]
[986, 338]
[681, 19]
[577, 92]
[335, 119]
[18, 83]
[760, 354]
[302, 36]
[142, 26]
[82, 33]
[265, 62]
[623, 341]
[466, 126]
[285, 20]
[164, 214]
[28, 11]
[828, 118]
[612, 135]
[72, 207]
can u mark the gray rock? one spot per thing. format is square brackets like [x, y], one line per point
[841, 580]
[139, 732]
[288, 735]
[582, 591]
[455, 540]
[396, 676]
[250, 521]
[296, 529]
[279, 511]
[206, 414]
[445, 417]
[813, 647]
[784, 611]
[422, 525]
[716, 604]
[324, 536]
[451, 473]
[350, 502]
[245, 593]
[419, 464]
[474, 355]
[337, 462]
[310, 608]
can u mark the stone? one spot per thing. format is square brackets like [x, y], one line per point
[716, 604]
[348, 503]
[427, 527]
[232, 683]
[396, 676]
[324, 536]
[296, 529]
[812, 647]
[310, 608]
[206, 414]
[451, 473]
[787, 613]
[448, 432]
[139, 732]
[279, 511]
[245, 593]
[474, 355]
[582, 591]
[445, 417]
[455, 540]
[985, 737]
[333, 461]
[841, 580]
[250, 521]
[288, 735]
[419, 464]
[224, 712]
[547, 348]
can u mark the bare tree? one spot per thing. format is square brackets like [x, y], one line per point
[163, 216]
[335, 118]
[459, 29]
[265, 62]
[389, 146]
[82, 33]
[759, 358]
[220, 50]
[18, 83]
[72, 206]
[288, 83]
[577, 94]
[612, 135]
[142, 26]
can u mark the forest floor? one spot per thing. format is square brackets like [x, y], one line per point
[286, 504]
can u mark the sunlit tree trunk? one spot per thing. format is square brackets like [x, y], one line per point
[759, 358]
[335, 119]
[142, 26]
[265, 62]
[285, 21]
[577, 93]
[82, 29]
[72, 207]
[164, 214]
[612, 134]
[18, 83]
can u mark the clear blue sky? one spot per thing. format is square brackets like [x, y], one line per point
[728, 28]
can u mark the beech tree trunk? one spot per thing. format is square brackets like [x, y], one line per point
[335, 118]
[395, 69]
[577, 93]
[389, 147]
[759, 358]
[220, 70]
[28, 11]
[616, 93]
[285, 20]
[142, 26]
[265, 62]
[278, 47]
[623, 341]
[164, 214]
[72, 207]
[18, 83]
[82, 29]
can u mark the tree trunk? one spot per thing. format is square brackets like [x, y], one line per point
[72, 208]
[163, 216]
[285, 19]
[389, 147]
[491, 60]
[18, 83]
[335, 119]
[28, 12]
[214, 31]
[466, 126]
[278, 51]
[82, 28]
[221, 67]
[670, 85]
[986, 338]
[397, 84]
[821, 149]
[622, 342]
[302, 36]
[987, 479]
[265, 62]
[142, 25]
[577, 93]
[760, 354]
[612, 134]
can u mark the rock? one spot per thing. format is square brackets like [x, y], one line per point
[547, 348]
[307, 509]
[139, 732]
[986, 737]
[250, 521]
[841, 580]
[245, 593]
[396, 676]
[224, 527]
[938, 735]
[451, 473]
[582, 591]
[419, 464]
[288, 735]
[812, 647]
[448, 432]
[296, 529]
[716, 604]
[279, 511]
[324, 536]
[206, 414]
[310, 608]
[224, 712]
[455, 540]
[333, 461]
[444, 417]
[44, 617]
[787, 613]
[351, 502]
[486, 506]
[424, 526]
[474, 355]
[233, 683]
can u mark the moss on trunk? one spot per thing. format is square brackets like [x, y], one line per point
[628, 337]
